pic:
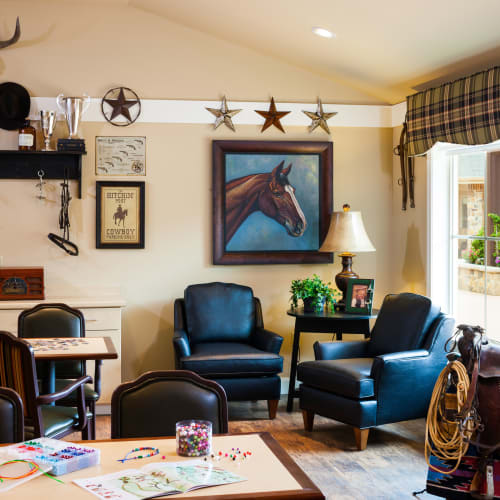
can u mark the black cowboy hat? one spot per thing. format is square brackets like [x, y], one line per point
[14, 105]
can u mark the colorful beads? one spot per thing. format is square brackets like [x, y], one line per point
[154, 451]
[194, 438]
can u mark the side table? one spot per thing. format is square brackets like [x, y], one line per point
[326, 321]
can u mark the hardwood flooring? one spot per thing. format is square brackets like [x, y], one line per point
[391, 467]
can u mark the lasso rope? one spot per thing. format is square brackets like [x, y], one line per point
[449, 439]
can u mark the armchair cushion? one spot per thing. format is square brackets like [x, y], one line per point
[231, 359]
[219, 312]
[341, 350]
[402, 323]
[345, 377]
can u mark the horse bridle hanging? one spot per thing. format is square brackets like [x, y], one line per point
[407, 179]
[63, 241]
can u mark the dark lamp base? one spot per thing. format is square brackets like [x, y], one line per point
[343, 277]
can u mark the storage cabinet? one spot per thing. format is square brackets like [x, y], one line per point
[102, 319]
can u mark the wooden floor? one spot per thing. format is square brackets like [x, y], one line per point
[392, 466]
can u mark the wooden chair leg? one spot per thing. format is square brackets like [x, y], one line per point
[361, 437]
[272, 406]
[308, 417]
[92, 421]
[86, 431]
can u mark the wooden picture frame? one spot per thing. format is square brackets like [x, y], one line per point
[120, 214]
[359, 296]
[291, 174]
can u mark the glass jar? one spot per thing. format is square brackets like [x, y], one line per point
[27, 137]
[193, 438]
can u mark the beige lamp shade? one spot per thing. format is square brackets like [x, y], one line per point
[346, 234]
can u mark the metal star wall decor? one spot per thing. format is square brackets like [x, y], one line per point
[119, 105]
[224, 115]
[319, 118]
[272, 117]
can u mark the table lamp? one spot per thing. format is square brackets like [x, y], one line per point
[346, 235]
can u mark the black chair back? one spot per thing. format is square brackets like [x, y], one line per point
[11, 416]
[54, 320]
[152, 404]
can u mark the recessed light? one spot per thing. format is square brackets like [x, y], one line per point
[323, 32]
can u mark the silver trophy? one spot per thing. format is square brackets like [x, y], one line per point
[73, 109]
[48, 123]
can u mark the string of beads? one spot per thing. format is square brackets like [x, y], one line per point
[154, 451]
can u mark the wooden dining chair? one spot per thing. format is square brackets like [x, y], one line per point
[153, 403]
[60, 320]
[11, 416]
[18, 372]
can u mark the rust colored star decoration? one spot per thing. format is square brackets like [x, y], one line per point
[224, 115]
[272, 117]
[121, 101]
[319, 118]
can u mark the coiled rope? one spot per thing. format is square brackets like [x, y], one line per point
[444, 438]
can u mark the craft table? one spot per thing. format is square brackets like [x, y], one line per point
[270, 471]
[75, 349]
[326, 321]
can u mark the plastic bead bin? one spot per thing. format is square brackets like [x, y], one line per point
[193, 438]
[64, 457]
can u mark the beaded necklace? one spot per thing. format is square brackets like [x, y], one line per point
[154, 451]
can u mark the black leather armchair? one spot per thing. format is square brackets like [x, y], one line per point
[388, 378]
[152, 404]
[11, 416]
[219, 334]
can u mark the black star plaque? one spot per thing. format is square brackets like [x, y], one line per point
[121, 101]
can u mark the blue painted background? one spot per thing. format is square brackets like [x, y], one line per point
[261, 233]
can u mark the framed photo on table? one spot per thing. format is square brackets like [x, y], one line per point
[120, 214]
[271, 201]
[359, 296]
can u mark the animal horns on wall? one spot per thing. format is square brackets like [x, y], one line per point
[15, 37]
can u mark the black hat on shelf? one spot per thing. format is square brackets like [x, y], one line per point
[14, 105]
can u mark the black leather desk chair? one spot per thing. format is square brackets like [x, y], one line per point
[152, 404]
[219, 334]
[60, 320]
[388, 378]
[11, 416]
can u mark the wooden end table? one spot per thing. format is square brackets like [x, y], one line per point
[326, 321]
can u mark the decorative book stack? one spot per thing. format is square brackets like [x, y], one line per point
[71, 145]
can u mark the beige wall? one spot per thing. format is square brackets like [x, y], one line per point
[75, 49]
[409, 232]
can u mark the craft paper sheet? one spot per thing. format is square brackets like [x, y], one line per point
[158, 479]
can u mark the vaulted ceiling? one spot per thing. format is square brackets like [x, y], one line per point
[385, 48]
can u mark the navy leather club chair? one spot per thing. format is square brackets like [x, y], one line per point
[388, 378]
[219, 334]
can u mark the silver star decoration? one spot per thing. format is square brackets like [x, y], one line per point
[224, 115]
[319, 118]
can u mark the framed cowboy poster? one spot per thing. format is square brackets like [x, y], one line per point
[120, 214]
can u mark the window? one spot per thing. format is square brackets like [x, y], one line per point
[464, 233]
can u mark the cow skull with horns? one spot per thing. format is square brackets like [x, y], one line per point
[15, 37]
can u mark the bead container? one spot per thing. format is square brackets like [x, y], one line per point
[193, 438]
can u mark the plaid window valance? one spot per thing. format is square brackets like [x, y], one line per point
[466, 111]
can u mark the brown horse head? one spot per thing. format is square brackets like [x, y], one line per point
[279, 203]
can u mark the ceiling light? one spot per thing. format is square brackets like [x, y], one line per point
[323, 32]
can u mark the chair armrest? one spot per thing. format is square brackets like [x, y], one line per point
[45, 399]
[181, 344]
[341, 350]
[266, 340]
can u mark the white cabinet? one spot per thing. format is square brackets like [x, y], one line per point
[102, 319]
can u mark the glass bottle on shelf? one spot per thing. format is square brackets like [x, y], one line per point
[27, 137]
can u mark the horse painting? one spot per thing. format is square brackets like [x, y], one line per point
[271, 193]
[120, 216]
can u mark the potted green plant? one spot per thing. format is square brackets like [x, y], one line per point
[313, 292]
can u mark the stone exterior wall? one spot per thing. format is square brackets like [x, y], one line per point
[471, 278]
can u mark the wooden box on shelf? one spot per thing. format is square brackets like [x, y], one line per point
[21, 283]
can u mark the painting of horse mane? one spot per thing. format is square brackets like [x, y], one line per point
[270, 193]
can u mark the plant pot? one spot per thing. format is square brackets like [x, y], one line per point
[308, 305]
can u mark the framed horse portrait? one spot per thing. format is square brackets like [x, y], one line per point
[120, 214]
[271, 201]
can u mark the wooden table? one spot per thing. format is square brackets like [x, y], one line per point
[70, 348]
[270, 471]
[326, 321]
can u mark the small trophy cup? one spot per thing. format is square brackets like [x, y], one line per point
[73, 109]
[48, 123]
